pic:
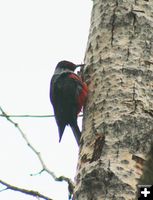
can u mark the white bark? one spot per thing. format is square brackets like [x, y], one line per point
[118, 119]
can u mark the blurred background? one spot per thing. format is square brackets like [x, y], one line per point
[34, 36]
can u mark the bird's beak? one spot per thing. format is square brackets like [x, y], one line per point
[80, 65]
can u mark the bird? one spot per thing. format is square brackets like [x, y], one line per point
[68, 94]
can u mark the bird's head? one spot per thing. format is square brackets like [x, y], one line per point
[66, 66]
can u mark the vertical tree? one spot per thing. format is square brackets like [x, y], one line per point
[118, 119]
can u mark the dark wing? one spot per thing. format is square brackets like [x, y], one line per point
[64, 91]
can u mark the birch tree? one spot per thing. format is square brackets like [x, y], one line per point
[115, 152]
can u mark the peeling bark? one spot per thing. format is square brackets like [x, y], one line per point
[118, 119]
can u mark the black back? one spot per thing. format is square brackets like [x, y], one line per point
[63, 96]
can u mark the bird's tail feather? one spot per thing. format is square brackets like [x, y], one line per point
[76, 132]
[60, 131]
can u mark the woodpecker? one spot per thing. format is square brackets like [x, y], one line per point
[68, 95]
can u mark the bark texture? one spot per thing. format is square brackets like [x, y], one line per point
[118, 119]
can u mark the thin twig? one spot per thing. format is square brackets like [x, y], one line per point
[31, 116]
[4, 189]
[38, 154]
[26, 116]
[28, 192]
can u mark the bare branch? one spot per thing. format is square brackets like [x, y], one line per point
[28, 192]
[24, 116]
[38, 154]
[31, 116]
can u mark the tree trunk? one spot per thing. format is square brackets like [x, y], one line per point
[118, 118]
